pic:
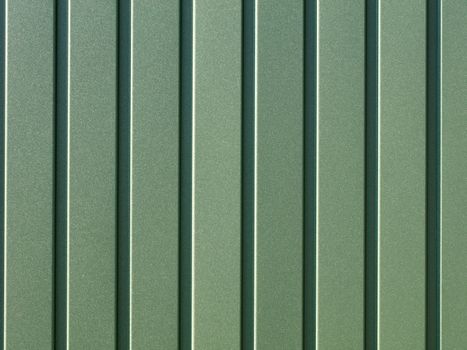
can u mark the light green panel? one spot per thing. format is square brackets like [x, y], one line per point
[453, 175]
[29, 172]
[402, 168]
[154, 174]
[91, 159]
[278, 247]
[216, 174]
[340, 174]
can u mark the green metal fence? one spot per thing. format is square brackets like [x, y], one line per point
[233, 174]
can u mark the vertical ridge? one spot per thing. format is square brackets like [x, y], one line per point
[433, 176]
[371, 175]
[248, 169]
[124, 176]
[3, 135]
[186, 174]
[61, 176]
[310, 176]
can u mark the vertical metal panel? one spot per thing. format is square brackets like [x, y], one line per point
[87, 183]
[28, 125]
[453, 174]
[255, 174]
[148, 225]
[91, 174]
[216, 151]
[340, 120]
[278, 174]
[402, 168]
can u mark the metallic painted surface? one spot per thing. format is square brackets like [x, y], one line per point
[402, 168]
[186, 132]
[90, 117]
[340, 174]
[453, 175]
[154, 154]
[216, 231]
[433, 166]
[29, 168]
[278, 175]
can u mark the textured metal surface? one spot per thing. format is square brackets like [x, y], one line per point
[278, 152]
[148, 178]
[340, 147]
[28, 167]
[216, 155]
[86, 177]
[247, 174]
[453, 168]
[402, 168]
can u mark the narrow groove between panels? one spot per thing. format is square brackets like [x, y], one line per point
[248, 168]
[186, 175]
[371, 176]
[309, 183]
[61, 174]
[124, 177]
[433, 176]
[3, 53]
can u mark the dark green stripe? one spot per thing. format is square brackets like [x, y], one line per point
[248, 163]
[433, 175]
[309, 183]
[61, 149]
[124, 157]
[371, 176]
[186, 171]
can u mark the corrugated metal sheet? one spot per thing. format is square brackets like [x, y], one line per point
[247, 174]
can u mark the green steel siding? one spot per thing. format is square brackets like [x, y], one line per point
[216, 151]
[278, 152]
[402, 168]
[340, 146]
[28, 168]
[233, 174]
[453, 168]
[148, 174]
[87, 159]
